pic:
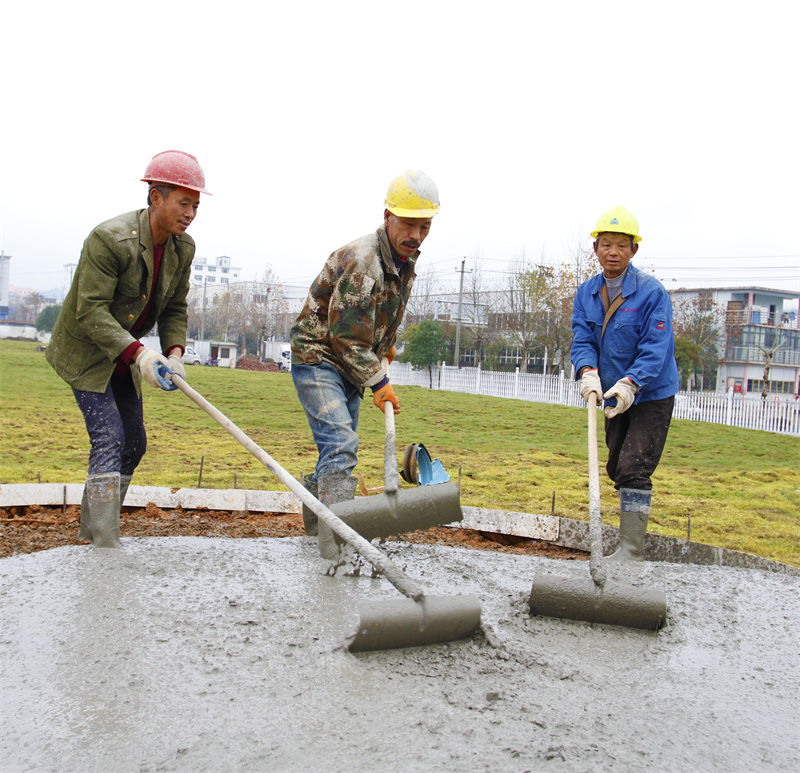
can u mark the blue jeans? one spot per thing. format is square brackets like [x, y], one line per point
[331, 404]
[115, 423]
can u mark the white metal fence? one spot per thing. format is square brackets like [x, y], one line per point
[735, 410]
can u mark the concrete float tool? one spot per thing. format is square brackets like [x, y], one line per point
[602, 600]
[394, 511]
[412, 622]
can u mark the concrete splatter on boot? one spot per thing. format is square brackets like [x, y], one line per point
[84, 532]
[102, 494]
[634, 506]
[338, 487]
[309, 518]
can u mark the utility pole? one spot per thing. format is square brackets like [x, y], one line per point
[458, 320]
[203, 313]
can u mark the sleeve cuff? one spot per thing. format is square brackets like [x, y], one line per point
[127, 354]
[382, 383]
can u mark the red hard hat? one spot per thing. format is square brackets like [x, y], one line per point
[176, 168]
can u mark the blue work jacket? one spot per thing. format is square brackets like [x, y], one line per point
[638, 341]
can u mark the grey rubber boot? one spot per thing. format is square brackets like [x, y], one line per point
[124, 482]
[309, 518]
[634, 512]
[84, 532]
[339, 487]
[102, 496]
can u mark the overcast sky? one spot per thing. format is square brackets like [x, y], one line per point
[533, 118]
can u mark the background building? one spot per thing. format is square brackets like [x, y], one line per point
[758, 336]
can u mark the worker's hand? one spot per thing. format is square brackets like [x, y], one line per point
[391, 353]
[155, 369]
[386, 394]
[590, 382]
[176, 363]
[624, 390]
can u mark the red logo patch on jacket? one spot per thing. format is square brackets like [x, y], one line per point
[659, 326]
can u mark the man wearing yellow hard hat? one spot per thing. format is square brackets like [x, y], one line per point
[346, 329]
[623, 351]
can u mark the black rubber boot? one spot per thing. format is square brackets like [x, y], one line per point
[634, 506]
[309, 518]
[102, 496]
[338, 487]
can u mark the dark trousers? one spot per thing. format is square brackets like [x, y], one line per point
[115, 423]
[635, 441]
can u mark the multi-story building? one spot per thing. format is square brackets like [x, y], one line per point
[218, 272]
[760, 331]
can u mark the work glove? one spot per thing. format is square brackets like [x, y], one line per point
[155, 369]
[176, 363]
[391, 353]
[386, 394]
[624, 390]
[590, 382]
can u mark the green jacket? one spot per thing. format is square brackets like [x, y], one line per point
[109, 292]
[353, 310]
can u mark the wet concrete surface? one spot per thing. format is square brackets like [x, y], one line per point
[197, 654]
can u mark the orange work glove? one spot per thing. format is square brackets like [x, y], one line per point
[386, 394]
[391, 353]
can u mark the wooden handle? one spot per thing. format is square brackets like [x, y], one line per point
[596, 567]
[390, 571]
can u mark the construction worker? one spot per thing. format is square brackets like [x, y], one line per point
[133, 273]
[623, 351]
[348, 326]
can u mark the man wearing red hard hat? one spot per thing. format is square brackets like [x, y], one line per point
[133, 273]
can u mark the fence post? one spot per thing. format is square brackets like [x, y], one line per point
[478, 380]
[729, 408]
[516, 383]
[562, 398]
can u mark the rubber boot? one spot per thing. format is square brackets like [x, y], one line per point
[124, 482]
[309, 517]
[634, 507]
[338, 487]
[102, 496]
[84, 532]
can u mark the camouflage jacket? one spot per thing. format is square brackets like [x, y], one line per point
[353, 310]
[109, 291]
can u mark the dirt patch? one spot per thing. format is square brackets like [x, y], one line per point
[41, 527]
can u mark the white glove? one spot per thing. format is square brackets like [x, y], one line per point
[624, 390]
[149, 363]
[590, 382]
[176, 363]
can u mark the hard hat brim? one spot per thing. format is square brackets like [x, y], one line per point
[636, 238]
[417, 213]
[176, 185]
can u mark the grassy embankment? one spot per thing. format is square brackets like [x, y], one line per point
[740, 486]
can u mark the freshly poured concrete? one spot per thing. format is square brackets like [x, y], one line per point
[195, 654]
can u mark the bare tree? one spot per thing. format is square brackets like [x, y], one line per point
[701, 321]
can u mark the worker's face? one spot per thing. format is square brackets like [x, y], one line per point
[406, 233]
[174, 214]
[614, 251]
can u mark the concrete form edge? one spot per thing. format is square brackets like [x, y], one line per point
[565, 532]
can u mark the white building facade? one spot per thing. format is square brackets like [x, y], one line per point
[761, 328]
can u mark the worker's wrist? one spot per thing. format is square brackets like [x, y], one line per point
[381, 384]
[130, 353]
[584, 369]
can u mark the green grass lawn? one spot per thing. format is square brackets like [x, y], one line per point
[741, 487]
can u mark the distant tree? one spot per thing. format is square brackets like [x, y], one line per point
[47, 318]
[425, 346]
[688, 356]
[700, 320]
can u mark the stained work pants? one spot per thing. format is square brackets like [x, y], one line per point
[635, 441]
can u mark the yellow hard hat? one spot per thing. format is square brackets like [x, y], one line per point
[618, 221]
[412, 194]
